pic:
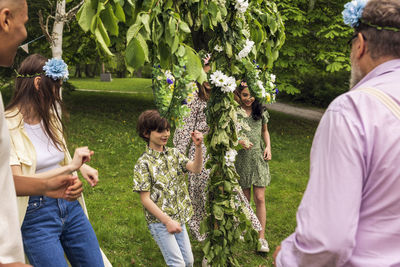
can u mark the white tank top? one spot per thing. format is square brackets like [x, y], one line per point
[48, 157]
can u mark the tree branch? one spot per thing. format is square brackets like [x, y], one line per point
[45, 28]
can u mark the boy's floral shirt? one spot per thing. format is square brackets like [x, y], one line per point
[163, 175]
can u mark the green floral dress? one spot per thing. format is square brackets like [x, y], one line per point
[250, 164]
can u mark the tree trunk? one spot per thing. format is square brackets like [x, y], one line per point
[58, 27]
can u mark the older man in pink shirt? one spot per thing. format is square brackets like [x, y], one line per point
[350, 212]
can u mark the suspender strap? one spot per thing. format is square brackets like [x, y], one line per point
[384, 99]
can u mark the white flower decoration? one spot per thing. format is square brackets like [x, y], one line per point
[246, 50]
[241, 5]
[230, 157]
[218, 78]
[218, 48]
[273, 78]
[230, 85]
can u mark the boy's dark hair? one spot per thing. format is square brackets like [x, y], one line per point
[151, 120]
[257, 108]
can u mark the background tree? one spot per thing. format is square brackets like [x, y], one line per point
[314, 63]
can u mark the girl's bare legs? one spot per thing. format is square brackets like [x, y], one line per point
[259, 199]
[247, 193]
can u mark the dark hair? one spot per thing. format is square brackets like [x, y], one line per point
[204, 91]
[151, 120]
[43, 101]
[381, 13]
[257, 109]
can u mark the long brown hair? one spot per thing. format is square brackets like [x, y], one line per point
[43, 101]
[204, 91]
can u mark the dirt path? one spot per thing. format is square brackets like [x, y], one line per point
[307, 113]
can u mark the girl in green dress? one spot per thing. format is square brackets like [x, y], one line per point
[252, 161]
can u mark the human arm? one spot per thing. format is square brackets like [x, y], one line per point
[328, 215]
[90, 174]
[63, 186]
[172, 226]
[81, 155]
[265, 135]
[15, 264]
[267, 141]
[196, 165]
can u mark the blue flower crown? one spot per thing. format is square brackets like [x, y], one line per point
[352, 16]
[56, 69]
[352, 12]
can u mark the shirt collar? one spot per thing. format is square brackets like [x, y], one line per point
[386, 67]
[156, 154]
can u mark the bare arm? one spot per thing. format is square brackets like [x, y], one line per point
[172, 226]
[64, 186]
[267, 141]
[196, 165]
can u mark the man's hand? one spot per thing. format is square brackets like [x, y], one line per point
[173, 227]
[278, 248]
[90, 174]
[197, 138]
[68, 187]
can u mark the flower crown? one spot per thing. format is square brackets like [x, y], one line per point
[352, 16]
[54, 68]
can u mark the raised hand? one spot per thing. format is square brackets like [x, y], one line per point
[197, 137]
[81, 155]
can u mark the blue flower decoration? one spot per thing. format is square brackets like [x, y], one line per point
[169, 81]
[276, 90]
[56, 69]
[352, 12]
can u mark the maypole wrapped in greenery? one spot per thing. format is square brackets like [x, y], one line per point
[243, 38]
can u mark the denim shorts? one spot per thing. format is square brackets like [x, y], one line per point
[175, 248]
[53, 227]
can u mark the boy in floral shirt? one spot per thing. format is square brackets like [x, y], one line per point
[160, 180]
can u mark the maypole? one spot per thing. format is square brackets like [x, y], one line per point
[243, 39]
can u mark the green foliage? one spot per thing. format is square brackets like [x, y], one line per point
[316, 45]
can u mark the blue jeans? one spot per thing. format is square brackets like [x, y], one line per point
[53, 227]
[175, 248]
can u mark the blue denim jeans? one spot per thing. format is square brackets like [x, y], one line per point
[175, 248]
[53, 227]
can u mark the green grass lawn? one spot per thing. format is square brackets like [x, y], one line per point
[107, 122]
[137, 85]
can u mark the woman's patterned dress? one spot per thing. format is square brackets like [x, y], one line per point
[198, 182]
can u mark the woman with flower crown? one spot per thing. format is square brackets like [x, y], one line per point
[50, 227]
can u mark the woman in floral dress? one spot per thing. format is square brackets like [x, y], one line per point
[198, 183]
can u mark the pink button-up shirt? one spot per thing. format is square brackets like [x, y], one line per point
[350, 211]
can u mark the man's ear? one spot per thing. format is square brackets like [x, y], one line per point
[36, 82]
[361, 45]
[5, 19]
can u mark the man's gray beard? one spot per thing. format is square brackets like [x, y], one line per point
[356, 75]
